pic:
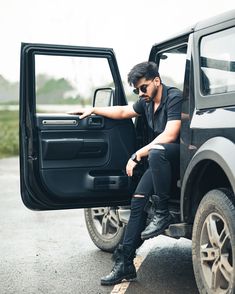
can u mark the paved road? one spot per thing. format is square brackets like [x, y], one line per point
[51, 252]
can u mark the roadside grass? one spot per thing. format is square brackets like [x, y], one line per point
[9, 133]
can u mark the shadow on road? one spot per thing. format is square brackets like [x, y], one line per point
[166, 269]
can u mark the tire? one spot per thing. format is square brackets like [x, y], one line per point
[104, 227]
[213, 243]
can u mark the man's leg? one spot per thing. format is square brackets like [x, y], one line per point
[125, 253]
[163, 159]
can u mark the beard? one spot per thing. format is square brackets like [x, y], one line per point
[150, 98]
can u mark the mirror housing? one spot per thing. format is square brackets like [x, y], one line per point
[103, 97]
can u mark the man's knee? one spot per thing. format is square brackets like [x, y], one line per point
[156, 153]
[157, 147]
[137, 203]
[137, 199]
[138, 196]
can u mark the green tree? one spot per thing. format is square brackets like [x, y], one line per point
[51, 90]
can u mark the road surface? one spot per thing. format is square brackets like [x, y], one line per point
[51, 252]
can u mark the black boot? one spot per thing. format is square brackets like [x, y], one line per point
[123, 267]
[161, 219]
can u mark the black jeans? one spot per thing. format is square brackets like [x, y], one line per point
[157, 179]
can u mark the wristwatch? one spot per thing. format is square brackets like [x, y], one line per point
[134, 158]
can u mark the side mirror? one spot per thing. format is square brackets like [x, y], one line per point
[103, 97]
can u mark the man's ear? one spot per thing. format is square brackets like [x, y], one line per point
[157, 81]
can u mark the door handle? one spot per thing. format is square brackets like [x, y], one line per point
[95, 122]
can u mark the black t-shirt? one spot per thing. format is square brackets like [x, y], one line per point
[169, 109]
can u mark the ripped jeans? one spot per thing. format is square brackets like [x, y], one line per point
[164, 164]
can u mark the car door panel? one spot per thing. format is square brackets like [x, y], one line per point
[67, 162]
[65, 145]
[77, 159]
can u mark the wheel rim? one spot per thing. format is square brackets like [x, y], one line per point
[106, 221]
[216, 254]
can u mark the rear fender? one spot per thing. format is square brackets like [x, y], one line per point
[222, 152]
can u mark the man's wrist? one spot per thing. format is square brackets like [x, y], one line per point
[134, 158]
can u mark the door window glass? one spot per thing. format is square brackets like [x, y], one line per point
[217, 53]
[172, 66]
[64, 81]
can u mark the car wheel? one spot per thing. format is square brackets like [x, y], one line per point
[104, 227]
[213, 243]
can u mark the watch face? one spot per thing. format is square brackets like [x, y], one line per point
[133, 156]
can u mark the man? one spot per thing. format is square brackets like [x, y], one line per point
[161, 105]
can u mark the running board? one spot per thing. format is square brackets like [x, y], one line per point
[179, 230]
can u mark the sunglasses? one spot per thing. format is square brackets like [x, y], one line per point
[142, 88]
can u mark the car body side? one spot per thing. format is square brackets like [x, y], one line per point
[208, 128]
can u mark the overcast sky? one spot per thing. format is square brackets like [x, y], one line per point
[130, 27]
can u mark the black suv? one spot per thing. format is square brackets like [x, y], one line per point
[66, 162]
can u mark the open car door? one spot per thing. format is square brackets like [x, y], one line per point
[66, 162]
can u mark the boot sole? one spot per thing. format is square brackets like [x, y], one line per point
[127, 278]
[156, 233]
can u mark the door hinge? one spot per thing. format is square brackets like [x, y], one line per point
[32, 157]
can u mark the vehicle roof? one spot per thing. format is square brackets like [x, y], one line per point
[220, 18]
[217, 19]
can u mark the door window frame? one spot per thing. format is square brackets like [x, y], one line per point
[203, 101]
[28, 52]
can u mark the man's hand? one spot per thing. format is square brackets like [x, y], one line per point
[84, 112]
[129, 167]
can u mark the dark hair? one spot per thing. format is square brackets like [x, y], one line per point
[147, 70]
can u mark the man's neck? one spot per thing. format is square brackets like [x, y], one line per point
[158, 97]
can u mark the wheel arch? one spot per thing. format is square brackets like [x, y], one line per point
[212, 166]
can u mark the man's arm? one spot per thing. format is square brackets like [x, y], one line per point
[114, 112]
[169, 135]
